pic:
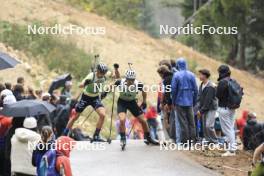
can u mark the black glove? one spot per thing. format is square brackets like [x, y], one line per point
[103, 95]
[143, 106]
[116, 66]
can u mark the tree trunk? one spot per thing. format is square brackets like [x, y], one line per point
[242, 50]
[231, 58]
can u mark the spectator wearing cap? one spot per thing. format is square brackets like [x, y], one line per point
[207, 105]
[21, 152]
[66, 91]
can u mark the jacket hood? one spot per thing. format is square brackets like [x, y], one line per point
[224, 71]
[65, 145]
[252, 122]
[181, 64]
[244, 115]
[25, 135]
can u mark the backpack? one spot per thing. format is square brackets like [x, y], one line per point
[48, 164]
[235, 94]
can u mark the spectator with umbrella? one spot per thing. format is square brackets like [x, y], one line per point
[59, 82]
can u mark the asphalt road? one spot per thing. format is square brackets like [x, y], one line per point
[137, 160]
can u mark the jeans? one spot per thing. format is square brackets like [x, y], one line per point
[187, 125]
[172, 125]
[227, 121]
[152, 123]
[177, 128]
[208, 120]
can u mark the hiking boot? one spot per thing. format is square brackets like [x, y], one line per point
[228, 153]
[148, 140]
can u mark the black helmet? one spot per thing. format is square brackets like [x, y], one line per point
[102, 68]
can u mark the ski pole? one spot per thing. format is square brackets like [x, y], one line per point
[130, 65]
[112, 113]
[87, 117]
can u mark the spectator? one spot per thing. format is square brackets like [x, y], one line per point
[5, 124]
[44, 120]
[21, 80]
[241, 123]
[45, 144]
[17, 122]
[226, 115]
[66, 91]
[2, 87]
[184, 95]
[151, 116]
[166, 103]
[21, 153]
[19, 92]
[63, 112]
[253, 133]
[173, 66]
[38, 94]
[8, 86]
[46, 97]
[64, 147]
[207, 105]
[31, 94]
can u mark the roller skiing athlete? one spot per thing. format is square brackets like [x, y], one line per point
[129, 88]
[92, 96]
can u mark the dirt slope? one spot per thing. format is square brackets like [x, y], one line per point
[122, 44]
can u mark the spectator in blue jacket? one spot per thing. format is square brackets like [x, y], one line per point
[184, 95]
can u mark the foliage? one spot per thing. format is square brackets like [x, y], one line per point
[244, 49]
[58, 54]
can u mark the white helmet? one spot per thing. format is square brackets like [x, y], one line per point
[130, 74]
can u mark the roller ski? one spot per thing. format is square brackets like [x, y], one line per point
[123, 142]
[97, 138]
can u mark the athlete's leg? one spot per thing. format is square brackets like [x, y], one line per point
[72, 121]
[101, 113]
[122, 119]
[143, 122]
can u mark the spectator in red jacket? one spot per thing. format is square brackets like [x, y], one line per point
[151, 115]
[64, 146]
[241, 123]
[5, 124]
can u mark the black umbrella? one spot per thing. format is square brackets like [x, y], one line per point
[7, 61]
[27, 108]
[59, 82]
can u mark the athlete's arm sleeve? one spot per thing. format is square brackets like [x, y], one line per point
[87, 79]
